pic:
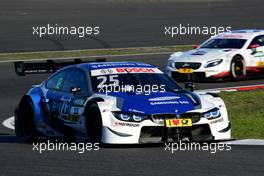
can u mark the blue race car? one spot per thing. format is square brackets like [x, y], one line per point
[116, 103]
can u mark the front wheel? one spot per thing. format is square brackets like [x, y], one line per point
[94, 124]
[237, 68]
[26, 118]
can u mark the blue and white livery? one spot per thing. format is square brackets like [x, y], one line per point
[119, 103]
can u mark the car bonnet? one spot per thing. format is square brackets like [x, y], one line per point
[155, 103]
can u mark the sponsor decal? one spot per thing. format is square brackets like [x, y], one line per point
[116, 65]
[260, 64]
[186, 70]
[126, 124]
[216, 121]
[137, 111]
[164, 98]
[136, 70]
[124, 70]
[107, 71]
[169, 102]
[231, 36]
[79, 102]
[212, 71]
[178, 122]
[199, 53]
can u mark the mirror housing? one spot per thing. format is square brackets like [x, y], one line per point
[190, 86]
[196, 46]
[75, 90]
[253, 46]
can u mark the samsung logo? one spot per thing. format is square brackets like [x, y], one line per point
[164, 98]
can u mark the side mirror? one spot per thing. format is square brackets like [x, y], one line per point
[75, 90]
[190, 86]
[196, 46]
[253, 46]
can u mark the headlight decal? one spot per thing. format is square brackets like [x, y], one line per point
[213, 63]
[212, 114]
[130, 117]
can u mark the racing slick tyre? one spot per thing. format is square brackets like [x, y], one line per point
[237, 68]
[26, 118]
[94, 124]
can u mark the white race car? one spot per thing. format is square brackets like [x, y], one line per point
[233, 54]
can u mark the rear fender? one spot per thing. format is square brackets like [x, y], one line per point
[36, 100]
[18, 115]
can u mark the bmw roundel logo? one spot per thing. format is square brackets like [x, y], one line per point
[186, 65]
[106, 71]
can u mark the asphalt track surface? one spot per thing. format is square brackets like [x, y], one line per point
[144, 160]
[122, 24]
[18, 158]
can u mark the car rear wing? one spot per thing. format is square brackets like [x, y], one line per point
[49, 66]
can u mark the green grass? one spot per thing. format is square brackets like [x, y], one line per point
[246, 113]
[92, 52]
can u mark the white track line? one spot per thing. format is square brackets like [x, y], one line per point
[9, 123]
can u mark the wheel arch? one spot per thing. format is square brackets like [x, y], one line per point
[233, 57]
[92, 107]
[35, 100]
[19, 117]
[91, 102]
[238, 55]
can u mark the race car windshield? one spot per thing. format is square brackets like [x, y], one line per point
[224, 43]
[135, 80]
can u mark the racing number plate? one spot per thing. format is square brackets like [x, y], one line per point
[260, 64]
[186, 70]
[186, 122]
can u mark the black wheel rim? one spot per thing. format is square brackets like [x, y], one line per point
[238, 69]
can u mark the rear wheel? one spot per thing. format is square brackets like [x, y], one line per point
[94, 124]
[237, 68]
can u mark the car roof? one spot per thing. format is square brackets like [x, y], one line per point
[105, 65]
[241, 34]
